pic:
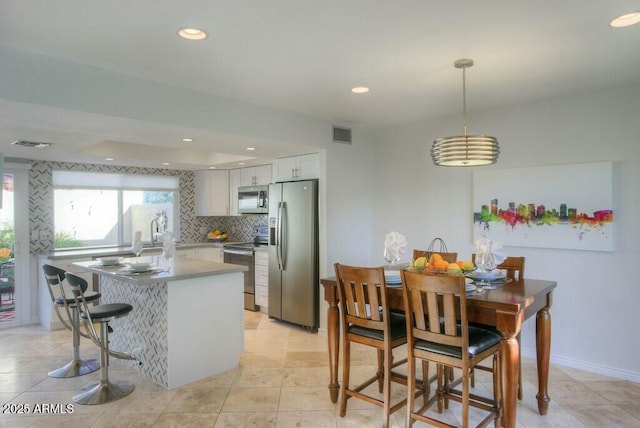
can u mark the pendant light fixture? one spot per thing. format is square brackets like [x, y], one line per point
[465, 150]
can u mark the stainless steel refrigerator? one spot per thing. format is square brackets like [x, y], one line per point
[293, 252]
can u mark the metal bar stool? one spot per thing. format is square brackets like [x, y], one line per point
[76, 367]
[103, 391]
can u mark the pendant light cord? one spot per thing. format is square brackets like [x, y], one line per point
[464, 100]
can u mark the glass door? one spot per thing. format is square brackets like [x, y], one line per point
[7, 253]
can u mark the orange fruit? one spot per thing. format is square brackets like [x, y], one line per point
[441, 264]
[435, 257]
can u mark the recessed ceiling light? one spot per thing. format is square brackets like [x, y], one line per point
[251, 148]
[360, 90]
[240, 163]
[165, 163]
[108, 159]
[625, 20]
[192, 33]
[212, 167]
[187, 140]
[31, 144]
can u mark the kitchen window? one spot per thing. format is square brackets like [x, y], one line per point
[106, 209]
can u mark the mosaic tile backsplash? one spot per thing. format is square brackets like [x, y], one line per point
[192, 228]
[240, 228]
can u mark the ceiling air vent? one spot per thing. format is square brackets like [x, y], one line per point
[31, 144]
[341, 135]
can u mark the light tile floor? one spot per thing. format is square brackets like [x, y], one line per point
[281, 382]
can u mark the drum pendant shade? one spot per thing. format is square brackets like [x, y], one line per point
[465, 150]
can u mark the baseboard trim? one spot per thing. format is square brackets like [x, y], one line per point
[588, 366]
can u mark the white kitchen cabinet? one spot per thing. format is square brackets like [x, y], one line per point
[235, 181]
[293, 168]
[212, 193]
[257, 175]
[212, 254]
[185, 252]
[261, 273]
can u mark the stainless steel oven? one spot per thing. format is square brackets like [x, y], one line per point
[243, 254]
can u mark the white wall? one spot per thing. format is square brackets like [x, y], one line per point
[596, 299]
[38, 79]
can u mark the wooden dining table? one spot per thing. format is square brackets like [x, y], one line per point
[506, 308]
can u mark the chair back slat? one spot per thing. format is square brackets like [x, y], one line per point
[450, 321]
[432, 309]
[349, 298]
[419, 305]
[373, 292]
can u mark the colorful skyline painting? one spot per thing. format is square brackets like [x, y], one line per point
[566, 206]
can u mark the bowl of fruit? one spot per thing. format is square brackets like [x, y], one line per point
[436, 264]
[217, 235]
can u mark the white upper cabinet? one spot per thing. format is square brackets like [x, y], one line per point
[212, 193]
[256, 175]
[235, 181]
[302, 167]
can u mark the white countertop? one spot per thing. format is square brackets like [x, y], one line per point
[182, 268]
[124, 251]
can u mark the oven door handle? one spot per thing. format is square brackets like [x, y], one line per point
[238, 252]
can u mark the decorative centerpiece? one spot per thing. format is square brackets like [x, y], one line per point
[436, 264]
[217, 235]
[394, 244]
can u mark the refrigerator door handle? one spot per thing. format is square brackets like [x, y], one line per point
[279, 236]
[283, 236]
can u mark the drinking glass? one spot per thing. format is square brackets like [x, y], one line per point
[486, 262]
[136, 247]
[168, 253]
[391, 256]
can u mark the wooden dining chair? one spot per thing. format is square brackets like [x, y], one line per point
[438, 331]
[365, 319]
[449, 257]
[514, 267]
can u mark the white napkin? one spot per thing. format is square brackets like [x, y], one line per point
[484, 244]
[138, 236]
[394, 244]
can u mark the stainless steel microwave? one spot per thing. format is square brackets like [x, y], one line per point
[253, 199]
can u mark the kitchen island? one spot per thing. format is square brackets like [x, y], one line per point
[186, 324]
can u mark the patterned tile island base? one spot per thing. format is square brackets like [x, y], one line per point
[182, 330]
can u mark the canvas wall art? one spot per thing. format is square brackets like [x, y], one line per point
[563, 206]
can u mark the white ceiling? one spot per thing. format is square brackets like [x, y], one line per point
[297, 57]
